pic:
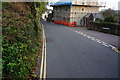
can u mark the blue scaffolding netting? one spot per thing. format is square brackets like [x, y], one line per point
[62, 3]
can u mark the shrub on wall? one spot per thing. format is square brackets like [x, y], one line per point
[110, 19]
[98, 20]
[112, 28]
[21, 41]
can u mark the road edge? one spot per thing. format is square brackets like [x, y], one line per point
[43, 59]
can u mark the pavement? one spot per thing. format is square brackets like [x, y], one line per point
[71, 55]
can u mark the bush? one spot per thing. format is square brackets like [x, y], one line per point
[20, 48]
[98, 20]
[21, 42]
[110, 19]
[113, 28]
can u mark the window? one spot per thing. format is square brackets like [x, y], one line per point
[83, 3]
[66, 9]
[82, 9]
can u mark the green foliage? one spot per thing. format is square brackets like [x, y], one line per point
[20, 44]
[110, 19]
[109, 12]
[5, 5]
[31, 16]
[20, 47]
[99, 26]
[40, 8]
[98, 20]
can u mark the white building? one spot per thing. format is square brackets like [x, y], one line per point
[75, 10]
[45, 15]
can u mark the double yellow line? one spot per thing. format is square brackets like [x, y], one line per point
[43, 60]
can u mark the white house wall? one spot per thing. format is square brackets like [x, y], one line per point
[78, 12]
[43, 15]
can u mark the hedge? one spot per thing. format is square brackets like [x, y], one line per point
[21, 44]
[105, 27]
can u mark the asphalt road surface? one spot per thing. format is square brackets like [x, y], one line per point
[70, 55]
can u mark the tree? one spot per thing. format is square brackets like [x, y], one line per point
[109, 12]
[110, 19]
[40, 8]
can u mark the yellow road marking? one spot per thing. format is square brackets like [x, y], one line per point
[43, 61]
[44, 76]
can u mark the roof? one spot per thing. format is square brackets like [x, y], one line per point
[98, 15]
[95, 15]
[87, 15]
[62, 3]
[75, 4]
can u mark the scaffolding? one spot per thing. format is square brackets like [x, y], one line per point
[89, 3]
[68, 11]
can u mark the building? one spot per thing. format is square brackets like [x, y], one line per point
[50, 17]
[75, 10]
[45, 15]
[91, 17]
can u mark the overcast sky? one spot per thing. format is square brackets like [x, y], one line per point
[113, 4]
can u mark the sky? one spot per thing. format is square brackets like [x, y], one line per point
[113, 4]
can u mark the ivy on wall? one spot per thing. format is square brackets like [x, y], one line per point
[21, 42]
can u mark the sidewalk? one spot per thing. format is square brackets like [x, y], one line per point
[109, 38]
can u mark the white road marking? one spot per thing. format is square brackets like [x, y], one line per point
[111, 46]
[93, 39]
[97, 40]
[84, 35]
[81, 33]
[88, 36]
[105, 45]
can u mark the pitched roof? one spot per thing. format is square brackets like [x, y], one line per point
[98, 15]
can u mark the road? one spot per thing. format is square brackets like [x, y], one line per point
[71, 55]
[109, 38]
